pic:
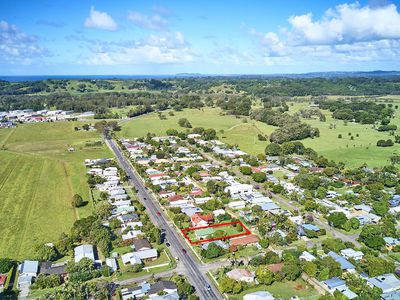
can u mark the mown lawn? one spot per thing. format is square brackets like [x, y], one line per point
[362, 149]
[235, 131]
[283, 290]
[37, 181]
[230, 129]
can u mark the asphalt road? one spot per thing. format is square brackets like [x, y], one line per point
[157, 216]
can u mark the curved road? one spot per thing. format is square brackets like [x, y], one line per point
[158, 217]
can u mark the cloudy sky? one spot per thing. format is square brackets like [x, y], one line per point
[204, 36]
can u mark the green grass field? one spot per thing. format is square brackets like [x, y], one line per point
[234, 131]
[284, 290]
[231, 130]
[355, 152]
[37, 181]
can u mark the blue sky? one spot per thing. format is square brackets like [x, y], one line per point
[209, 37]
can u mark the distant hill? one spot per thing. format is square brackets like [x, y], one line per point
[333, 74]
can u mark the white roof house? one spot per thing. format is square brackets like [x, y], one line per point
[236, 190]
[218, 212]
[145, 254]
[260, 295]
[237, 204]
[114, 192]
[112, 263]
[351, 253]
[136, 257]
[307, 256]
[130, 258]
[29, 268]
[121, 203]
[83, 251]
[131, 224]
[131, 234]
[110, 171]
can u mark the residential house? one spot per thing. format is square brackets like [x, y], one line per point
[162, 286]
[131, 234]
[307, 256]
[84, 251]
[237, 189]
[363, 207]
[237, 204]
[387, 283]
[218, 243]
[175, 198]
[308, 227]
[149, 254]
[141, 244]
[136, 292]
[333, 283]
[29, 268]
[345, 265]
[395, 295]
[202, 200]
[204, 233]
[391, 242]
[270, 207]
[166, 194]
[352, 254]
[48, 268]
[3, 279]
[218, 212]
[172, 296]
[112, 263]
[241, 275]
[128, 218]
[201, 220]
[190, 211]
[130, 259]
[132, 225]
[244, 240]
[368, 219]
[337, 284]
[260, 295]
[27, 271]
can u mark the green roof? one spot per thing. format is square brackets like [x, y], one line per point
[204, 231]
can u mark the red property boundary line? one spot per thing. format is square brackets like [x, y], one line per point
[186, 230]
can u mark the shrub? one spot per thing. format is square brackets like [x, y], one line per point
[383, 143]
[77, 201]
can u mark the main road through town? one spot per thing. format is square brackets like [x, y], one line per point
[205, 289]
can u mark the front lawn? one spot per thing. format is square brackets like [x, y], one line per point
[283, 290]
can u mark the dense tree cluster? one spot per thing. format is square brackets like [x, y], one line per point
[293, 131]
[364, 112]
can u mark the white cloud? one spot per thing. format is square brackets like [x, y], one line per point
[18, 47]
[346, 33]
[100, 20]
[347, 23]
[153, 22]
[171, 48]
